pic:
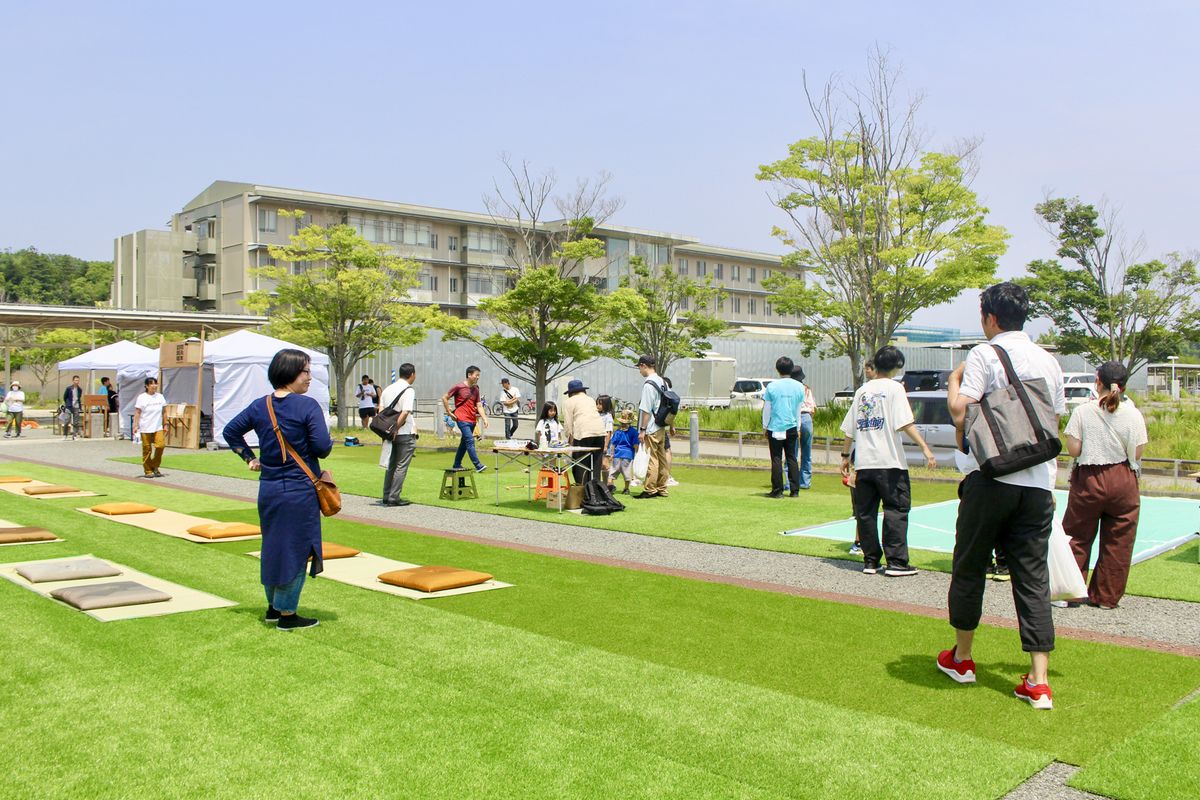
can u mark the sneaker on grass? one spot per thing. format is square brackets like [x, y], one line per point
[856, 549]
[292, 622]
[961, 671]
[1036, 694]
[672, 482]
[481, 468]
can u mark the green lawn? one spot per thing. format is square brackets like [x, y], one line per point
[721, 506]
[581, 681]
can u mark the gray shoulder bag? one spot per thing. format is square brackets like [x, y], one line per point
[1014, 427]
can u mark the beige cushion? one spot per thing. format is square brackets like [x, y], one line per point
[224, 530]
[15, 479]
[434, 579]
[18, 535]
[67, 569]
[49, 489]
[331, 550]
[109, 595]
[114, 509]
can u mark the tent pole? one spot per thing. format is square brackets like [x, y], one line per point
[200, 384]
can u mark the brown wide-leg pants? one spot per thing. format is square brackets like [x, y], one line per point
[1104, 499]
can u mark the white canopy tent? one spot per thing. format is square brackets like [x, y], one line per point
[131, 361]
[235, 374]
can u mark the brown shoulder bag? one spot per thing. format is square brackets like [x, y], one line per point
[328, 496]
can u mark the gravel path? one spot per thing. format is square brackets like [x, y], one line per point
[1167, 623]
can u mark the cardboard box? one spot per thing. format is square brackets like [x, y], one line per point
[180, 354]
[572, 499]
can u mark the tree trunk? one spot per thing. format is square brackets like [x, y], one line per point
[340, 369]
[539, 385]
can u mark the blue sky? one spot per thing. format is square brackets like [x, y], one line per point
[118, 113]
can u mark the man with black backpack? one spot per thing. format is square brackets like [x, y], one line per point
[656, 412]
[1001, 504]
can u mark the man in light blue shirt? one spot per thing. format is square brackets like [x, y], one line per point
[781, 423]
[653, 437]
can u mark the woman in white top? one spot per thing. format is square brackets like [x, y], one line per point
[1106, 437]
[14, 401]
[148, 424]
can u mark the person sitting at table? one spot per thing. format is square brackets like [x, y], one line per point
[549, 431]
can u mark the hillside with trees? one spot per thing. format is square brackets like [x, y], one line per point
[30, 276]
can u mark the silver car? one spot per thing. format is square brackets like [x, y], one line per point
[931, 416]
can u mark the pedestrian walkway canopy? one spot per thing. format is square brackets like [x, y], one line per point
[19, 315]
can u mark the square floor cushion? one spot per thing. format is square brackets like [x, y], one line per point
[434, 579]
[19, 535]
[116, 509]
[224, 530]
[15, 479]
[109, 595]
[330, 550]
[49, 489]
[72, 569]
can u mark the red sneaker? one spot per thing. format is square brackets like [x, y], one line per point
[961, 671]
[1037, 696]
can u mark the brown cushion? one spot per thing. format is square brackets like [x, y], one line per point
[49, 489]
[14, 479]
[434, 579]
[115, 509]
[67, 569]
[18, 535]
[330, 550]
[109, 595]
[224, 530]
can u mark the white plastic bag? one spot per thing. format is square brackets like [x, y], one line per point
[1066, 582]
[641, 463]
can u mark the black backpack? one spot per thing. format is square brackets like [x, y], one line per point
[668, 404]
[598, 500]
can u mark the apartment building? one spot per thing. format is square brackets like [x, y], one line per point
[206, 260]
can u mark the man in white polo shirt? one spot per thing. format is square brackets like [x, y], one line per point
[1015, 511]
[405, 442]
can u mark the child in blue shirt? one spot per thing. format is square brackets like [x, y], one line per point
[622, 447]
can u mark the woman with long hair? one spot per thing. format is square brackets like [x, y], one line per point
[548, 430]
[1106, 437]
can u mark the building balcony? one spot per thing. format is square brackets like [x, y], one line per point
[206, 245]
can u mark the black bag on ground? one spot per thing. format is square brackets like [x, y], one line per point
[1013, 428]
[598, 501]
[383, 424]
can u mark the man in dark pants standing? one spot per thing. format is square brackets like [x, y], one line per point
[405, 442]
[1013, 511]
[781, 426]
[510, 400]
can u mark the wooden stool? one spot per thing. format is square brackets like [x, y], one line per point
[550, 480]
[458, 484]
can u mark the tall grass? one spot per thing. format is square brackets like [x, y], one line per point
[827, 419]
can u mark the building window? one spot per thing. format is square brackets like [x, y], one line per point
[303, 221]
[737, 303]
[264, 259]
[701, 269]
[433, 240]
[483, 240]
[721, 303]
[719, 274]
[453, 285]
[268, 220]
[452, 243]
[683, 304]
[735, 272]
[683, 266]
[752, 271]
[766, 274]
[750, 307]
[768, 307]
[429, 281]
[482, 284]
[210, 274]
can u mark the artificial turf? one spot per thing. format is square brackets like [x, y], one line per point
[583, 680]
[729, 509]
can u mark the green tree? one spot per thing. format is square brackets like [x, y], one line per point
[552, 315]
[43, 361]
[884, 227]
[676, 317]
[348, 300]
[30, 276]
[1106, 304]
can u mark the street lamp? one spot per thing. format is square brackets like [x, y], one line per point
[1174, 386]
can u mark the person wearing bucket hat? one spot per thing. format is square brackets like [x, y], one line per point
[583, 428]
[623, 447]
[14, 403]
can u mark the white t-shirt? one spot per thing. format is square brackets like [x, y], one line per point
[608, 422]
[15, 401]
[515, 394]
[984, 373]
[366, 395]
[879, 410]
[1107, 438]
[151, 406]
[408, 402]
[549, 431]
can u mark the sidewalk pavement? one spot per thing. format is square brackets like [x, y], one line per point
[1140, 621]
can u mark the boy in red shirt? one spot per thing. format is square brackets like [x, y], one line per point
[466, 410]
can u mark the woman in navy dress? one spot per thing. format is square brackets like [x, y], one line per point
[287, 501]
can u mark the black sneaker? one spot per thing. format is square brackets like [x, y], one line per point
[899, 572]
[158, 474]
[291, 622]
[775, 494]
[272, 615]
[481, 468]
[870, 569]
[1000, 573]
